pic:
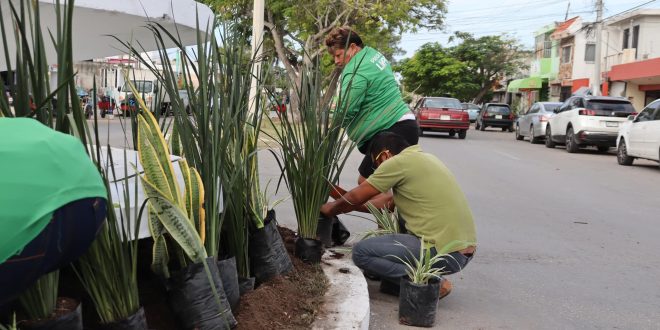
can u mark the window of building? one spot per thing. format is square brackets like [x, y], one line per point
[635, 39]
[590, 52]
[547, 46]
[626, 36]
[566, 54]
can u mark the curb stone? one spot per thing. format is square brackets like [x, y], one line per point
[346, 304]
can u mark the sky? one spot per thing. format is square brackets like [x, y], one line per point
[518, 18]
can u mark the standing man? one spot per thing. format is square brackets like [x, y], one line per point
[430, 200]
[370, 93]
[52, 203]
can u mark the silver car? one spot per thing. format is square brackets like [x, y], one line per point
[472, 109]
[532, 124]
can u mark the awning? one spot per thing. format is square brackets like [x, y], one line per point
[526, 83]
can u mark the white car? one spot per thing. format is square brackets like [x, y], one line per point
[587, 121]
[640, 136]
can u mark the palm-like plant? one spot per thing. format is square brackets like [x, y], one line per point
[313, 150]
[40, 299]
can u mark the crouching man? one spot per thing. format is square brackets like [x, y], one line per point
[429, 199]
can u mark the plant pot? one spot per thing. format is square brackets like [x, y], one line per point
[245, 285]
[268, 256]
[340, 233]
[390, 288]
[137, 321]
[324, 230]
[191, 298]
[309, 250]
[229, 277]
[68, 317]
[418, 303]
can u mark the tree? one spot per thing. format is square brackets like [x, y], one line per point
[468, 71]
[297, 28]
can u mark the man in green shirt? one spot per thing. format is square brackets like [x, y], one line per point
[429, 199]
[369, 93]
[52, 202]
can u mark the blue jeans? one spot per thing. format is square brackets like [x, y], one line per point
[376, 256]
[67, 236]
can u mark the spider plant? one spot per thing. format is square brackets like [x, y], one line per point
[387, 221]
[420, 269]
[12, 326]
[313, 150]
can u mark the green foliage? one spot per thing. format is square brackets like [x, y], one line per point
[296, 23]
[420, 269]
[40, 299]
[387, 221]
[313, 150]
[468, 71]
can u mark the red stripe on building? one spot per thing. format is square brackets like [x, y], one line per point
[641, 69]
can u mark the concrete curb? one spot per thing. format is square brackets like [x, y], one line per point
[346, 303]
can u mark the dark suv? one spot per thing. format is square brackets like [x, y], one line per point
[495, 115]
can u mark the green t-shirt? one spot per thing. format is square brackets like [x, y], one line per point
[40, 171]
[370, 94]
[429, 199]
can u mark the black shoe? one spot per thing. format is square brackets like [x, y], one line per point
[390, 288]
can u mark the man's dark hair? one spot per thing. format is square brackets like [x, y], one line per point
[342, 37]
[393, 142]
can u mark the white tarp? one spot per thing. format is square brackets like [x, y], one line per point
[94, 21]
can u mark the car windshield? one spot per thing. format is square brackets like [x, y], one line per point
[142, 86]
[614, 105]
[442, 103]
[471, 106]
[498, 109]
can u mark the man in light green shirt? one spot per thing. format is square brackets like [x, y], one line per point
[428, 198]
[52, 202]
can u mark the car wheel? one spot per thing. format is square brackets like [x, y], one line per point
[482, 127]
[421, 131]
[548, 138]
[622, 154]
[533, 139]
[462, 134]
[511, 128]
[476, 125]
[518, 136]
[571, 144]
[603, 148]
[503, 129]
[452, 133]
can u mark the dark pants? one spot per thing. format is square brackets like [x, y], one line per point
[408, 129]
[67, 236]
[376, 256]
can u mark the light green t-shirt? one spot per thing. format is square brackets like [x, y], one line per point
[429, 199]
[41, 170]
[371, 95]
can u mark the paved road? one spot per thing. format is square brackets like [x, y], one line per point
[566, 241]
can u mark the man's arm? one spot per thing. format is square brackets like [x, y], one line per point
[351, 201]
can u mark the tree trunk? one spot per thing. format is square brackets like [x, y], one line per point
[484, 90]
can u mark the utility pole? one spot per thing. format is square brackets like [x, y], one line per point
[595, 83]
[257, 51]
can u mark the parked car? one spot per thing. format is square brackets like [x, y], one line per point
[532, 123]
[639, 137]
[495, 115]
[587, 121]
[472, 110]
[442, 114]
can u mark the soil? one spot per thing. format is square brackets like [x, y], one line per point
[63, 306]
[290, 301]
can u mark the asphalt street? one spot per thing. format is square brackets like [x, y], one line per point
[566, 241]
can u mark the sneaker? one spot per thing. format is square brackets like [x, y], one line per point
[445, 288]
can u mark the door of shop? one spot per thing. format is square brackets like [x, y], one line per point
[651, 96]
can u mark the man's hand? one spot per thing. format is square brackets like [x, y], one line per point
[326, 209]
[351, 201]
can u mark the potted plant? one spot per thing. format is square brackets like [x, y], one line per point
[313, 151]
[45, 310]
[420, 289]
[195, 289]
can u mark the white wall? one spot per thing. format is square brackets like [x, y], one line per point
[649, 37]
[582, 69]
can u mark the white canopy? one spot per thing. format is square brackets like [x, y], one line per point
[95, 21]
